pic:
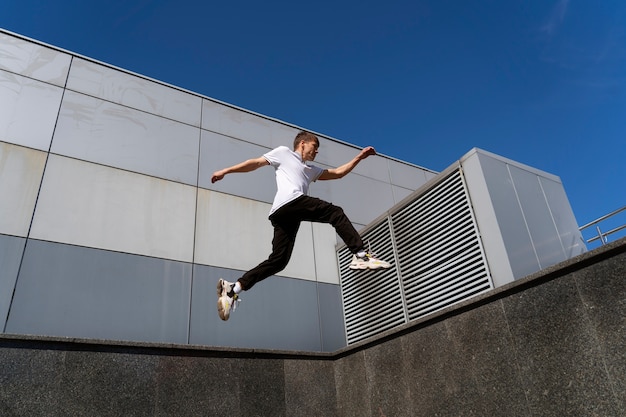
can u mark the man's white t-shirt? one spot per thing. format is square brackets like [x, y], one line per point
[293, 175]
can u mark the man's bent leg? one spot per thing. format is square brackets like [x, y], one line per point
[282, 248]
[316, 210]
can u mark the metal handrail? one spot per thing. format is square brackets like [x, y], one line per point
[602, 236]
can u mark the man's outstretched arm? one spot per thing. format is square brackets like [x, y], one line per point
[342, 171]
[245, 166]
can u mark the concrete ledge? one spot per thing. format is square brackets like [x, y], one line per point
[551, 344]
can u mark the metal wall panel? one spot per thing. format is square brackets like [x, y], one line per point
[334, 154]
[110, 134]
[362, 198]
[33, 61]
[564, 219]
[278, 313]
[11, 250]
[513, 228]
[100, 207]
[324, 242]
[537, 216]
[535, 219]
[21, 170]
[400, 193]
[233, 232]
[331, 317]
[28, 110]
[406, 176]
[491, 236]
[236, 123]
[218, 151]
[64, 290]
[134, 91]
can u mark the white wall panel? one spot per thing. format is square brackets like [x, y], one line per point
[406, 176]
[324, 241]
[541, 226]
[28, 110]
[134, 91]
[400, 193]
[236, 123]
[429, 175]
[333, 154]
[281, 134]
[233, 232]
[564, 219]
[247, 126]
[34, 61]
[491, 236]
[363, 199]
[279, 313]
[302, 263]
[20, 175]
[96, 206]
[111, 134]
[509, 215]
[219, 151]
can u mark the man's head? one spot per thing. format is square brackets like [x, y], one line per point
[306, 144]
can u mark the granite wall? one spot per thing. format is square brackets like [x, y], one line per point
[551, 344]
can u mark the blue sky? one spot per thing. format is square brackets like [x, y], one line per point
[542, 82]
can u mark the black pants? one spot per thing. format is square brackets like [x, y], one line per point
[286, 221]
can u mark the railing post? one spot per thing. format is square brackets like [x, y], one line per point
[600, 235]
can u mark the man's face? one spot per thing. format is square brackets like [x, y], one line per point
[309, 150]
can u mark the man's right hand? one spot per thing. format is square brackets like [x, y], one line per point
[217, 175]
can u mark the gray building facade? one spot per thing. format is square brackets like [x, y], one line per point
[111, 229]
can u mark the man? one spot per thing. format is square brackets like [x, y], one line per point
[292, 206]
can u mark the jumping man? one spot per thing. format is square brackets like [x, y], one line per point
[292, 206]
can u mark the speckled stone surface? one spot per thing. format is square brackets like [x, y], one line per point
[435, 376]
[558, 355]
[103, 384]
[602, 289]
[352, 386]
[196, 386]
[551, 344]
[310, 388]
[389, 391]
[487, 362]
[262, 387]
[29, 382]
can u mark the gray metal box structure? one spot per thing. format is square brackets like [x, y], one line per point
[523, 214]
[483, 222]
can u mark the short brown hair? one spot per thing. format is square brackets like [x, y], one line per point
[306, 137]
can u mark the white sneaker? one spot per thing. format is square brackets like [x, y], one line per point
[225, 304]
[368, 261]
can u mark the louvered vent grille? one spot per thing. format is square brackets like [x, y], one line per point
[371, 299]
[440, 256]
[434, 244]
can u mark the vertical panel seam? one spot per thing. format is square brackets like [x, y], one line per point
[195, 228]
[32, 218]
